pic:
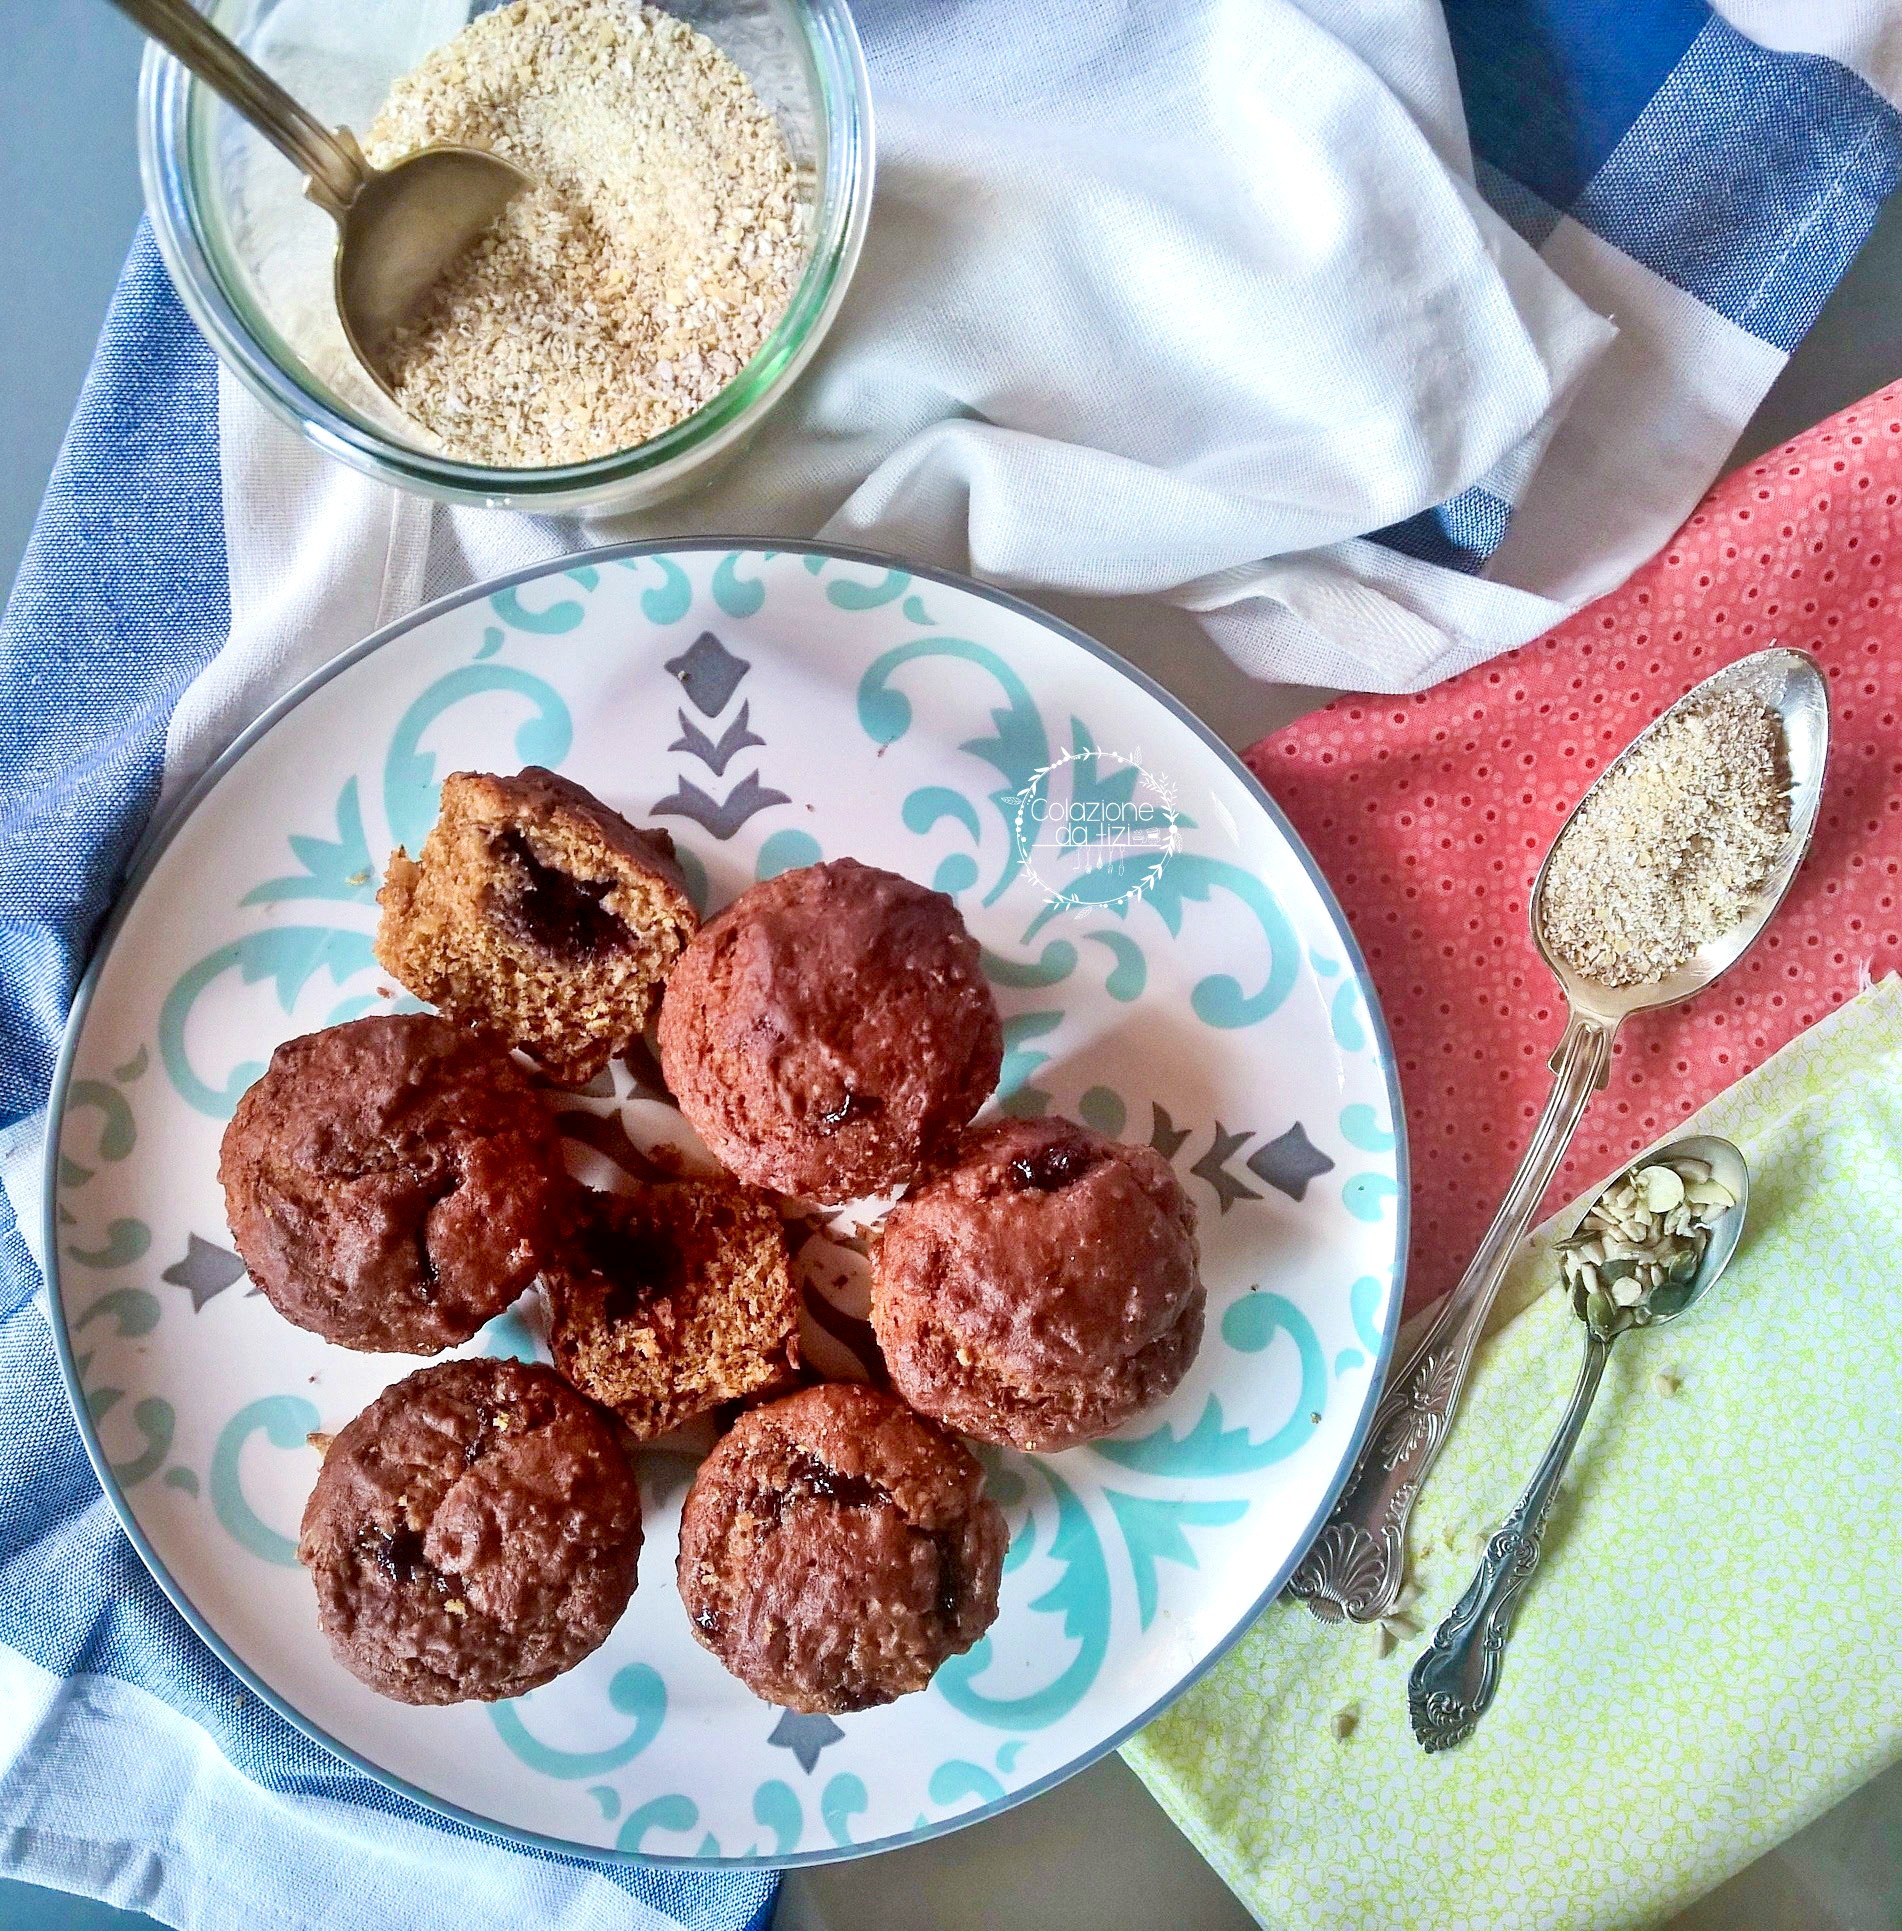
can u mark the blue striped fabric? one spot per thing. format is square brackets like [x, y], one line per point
[1459, 535]
[1746, 178]
[121, 601]
[1750, 180]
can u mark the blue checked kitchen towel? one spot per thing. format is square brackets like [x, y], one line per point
[1559, 309]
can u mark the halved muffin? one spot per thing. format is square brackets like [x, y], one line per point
[538, 914]
[672, 1300]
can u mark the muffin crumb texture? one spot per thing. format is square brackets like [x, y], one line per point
[538, 915]
[659, 246]
[673, 1300]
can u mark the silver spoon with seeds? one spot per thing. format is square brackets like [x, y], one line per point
[398, 228]
[1356, 1565]
[1701, 1188]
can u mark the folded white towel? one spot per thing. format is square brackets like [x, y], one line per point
[1173, 304]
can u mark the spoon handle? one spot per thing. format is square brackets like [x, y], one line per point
[1355, 1566]
[1452, 1684]
[335, 169]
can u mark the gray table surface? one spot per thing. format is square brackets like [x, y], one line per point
[1096, 1852]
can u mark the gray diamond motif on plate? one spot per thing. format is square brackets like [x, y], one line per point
[805, 1736]
[709, 673]
[1290, 1162]
[206, 1271]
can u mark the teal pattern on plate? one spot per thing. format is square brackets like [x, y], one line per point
[1088, 1558]
[285, 1422]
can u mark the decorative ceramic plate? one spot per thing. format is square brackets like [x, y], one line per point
[1170, 969]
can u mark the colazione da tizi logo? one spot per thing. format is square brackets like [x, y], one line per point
[1095, 828]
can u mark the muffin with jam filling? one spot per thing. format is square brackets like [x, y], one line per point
[539, 915]
[835, 1548]
[1040, 1289]
[671, 1300]
[474, 1532]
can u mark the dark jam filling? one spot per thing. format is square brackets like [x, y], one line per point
[639, 1264]
[850, 1106]
[950, 1579]
[398, 1552]
[1053, 1167]
[478, 1444]
[550, 909]
[810, 1476]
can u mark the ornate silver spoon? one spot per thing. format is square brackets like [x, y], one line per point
[1453, 1683]
[1357, 1563]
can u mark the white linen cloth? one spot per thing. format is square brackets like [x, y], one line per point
[1162, 303]
[1150, 294]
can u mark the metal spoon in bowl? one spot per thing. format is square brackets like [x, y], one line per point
[398, 228]
[1453, 1683]
[1357, 1563]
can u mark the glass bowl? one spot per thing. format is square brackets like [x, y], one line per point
[252, 258]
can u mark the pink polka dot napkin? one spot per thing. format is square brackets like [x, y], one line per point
[1429, 814]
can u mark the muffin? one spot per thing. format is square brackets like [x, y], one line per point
[1041, 1289]
[835, 1549]
[829, 1029]
[538, 915]
[674, 1299]
[392, 1183]
[472, 1533]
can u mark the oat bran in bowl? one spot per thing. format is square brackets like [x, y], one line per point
[701, 200]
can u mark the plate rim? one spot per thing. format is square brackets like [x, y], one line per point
[170, 819]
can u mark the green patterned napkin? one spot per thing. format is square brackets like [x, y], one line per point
[1711, 1651]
